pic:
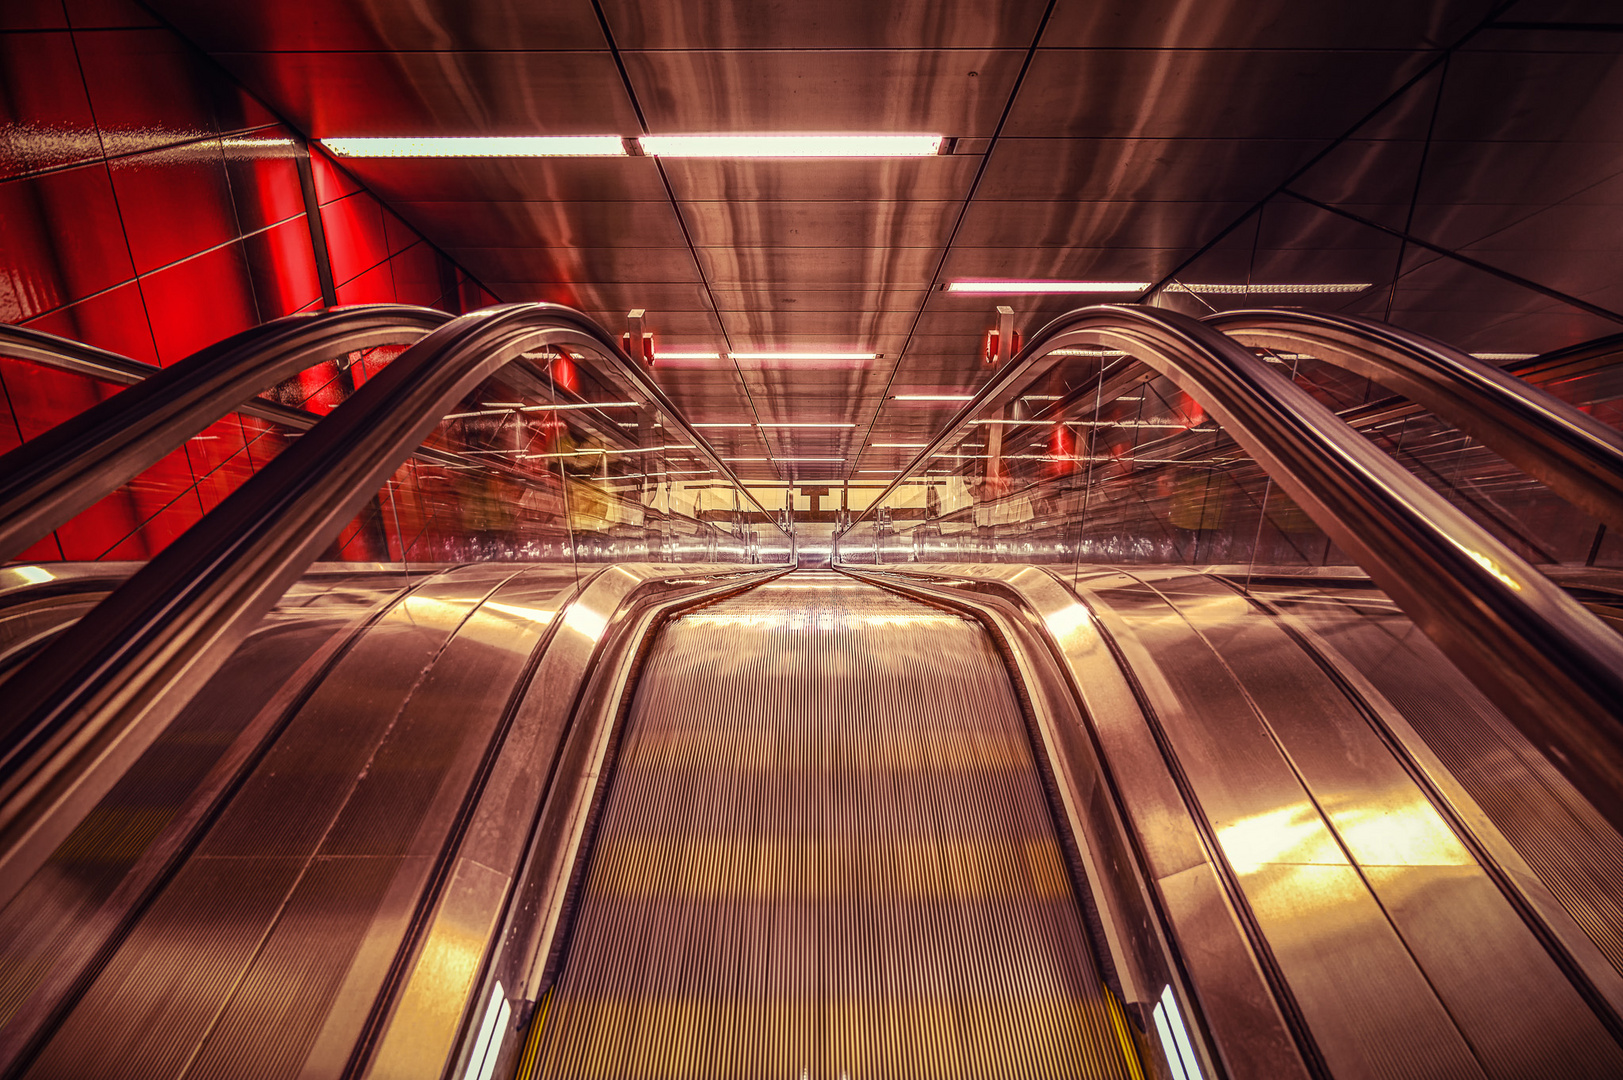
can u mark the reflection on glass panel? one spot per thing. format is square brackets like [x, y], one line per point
[1102, 460]
[556, 458]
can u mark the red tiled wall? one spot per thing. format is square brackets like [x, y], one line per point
[150, 206]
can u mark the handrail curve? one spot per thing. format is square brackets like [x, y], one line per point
[109, 684]
[1555, 668]
[1572, 453]
[48, 479]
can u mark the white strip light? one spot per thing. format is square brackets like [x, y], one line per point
[932, 397]
[790, 146]
[777, 424]
[898, 445]
[804, 356]
[1283, 288]
[481, 146]
[1009, 287]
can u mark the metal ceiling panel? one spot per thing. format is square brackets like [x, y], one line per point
[578, 264]
[1084, 264]
[1264, 24]
[657, 296]
[1542, 97]
[830, 24]
[685, 331]
[929, 91]
[1201, 93]
[939, 178]
[1147, 170]
[511, 179]
[869, 266]
[857, 327]
[821, 224]
[774, 296]
[1094, 223]
[357, 25]
[332, 94]
[537, 223]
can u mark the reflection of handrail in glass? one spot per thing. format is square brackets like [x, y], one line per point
[1572, 453]
[1556, 668]
[47, 480]
[110, 683]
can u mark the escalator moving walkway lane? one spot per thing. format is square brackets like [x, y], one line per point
[825, 852]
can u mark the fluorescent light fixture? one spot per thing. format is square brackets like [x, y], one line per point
[899, 445]
[585, 405]
[932, 397]
[808, 459]
[778, 424]
[722, 425]
[661, 354]
[1504, 355]
[1013, 286]
[1042, 397]
[790, 146]
[481, 146]
[1280, 288]
[1085, 352]
[804, 356]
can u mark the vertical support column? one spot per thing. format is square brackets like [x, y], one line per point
[312, 217]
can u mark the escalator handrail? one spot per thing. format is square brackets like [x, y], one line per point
[1552, 666]
[1572, 453]
[112, 681]
[49, 479]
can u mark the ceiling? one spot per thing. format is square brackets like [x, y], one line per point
[1463, 157]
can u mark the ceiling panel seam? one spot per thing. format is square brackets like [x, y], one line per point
[958, 224]
[1414, 194]
[1475, 264]
[1302, 170]
[681, 221]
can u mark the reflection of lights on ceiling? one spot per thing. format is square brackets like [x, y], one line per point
[1012, 286]
[481, 146]
[1174, 1037]
[932, 397]
[790, 146]
[1279, 288]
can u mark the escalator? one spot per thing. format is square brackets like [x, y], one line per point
[647, 816]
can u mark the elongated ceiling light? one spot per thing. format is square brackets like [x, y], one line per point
[784, 424]
[790, 146]
[1280, 288]
[481, 146]
[804, 356]
[1010, 287]
[932, 397]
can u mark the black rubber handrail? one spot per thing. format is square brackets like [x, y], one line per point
[92, 700]
[1554, 668]
[47, 480]
[1570, 452]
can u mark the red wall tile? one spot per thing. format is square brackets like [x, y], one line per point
[376, 286]
[355, 240]
[45, 119]
[175, 202]
[282, 266]
[198, 302]
[62, 240]
[115, 320]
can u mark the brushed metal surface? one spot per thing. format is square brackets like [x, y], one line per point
[826, 849]
[270, 900]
